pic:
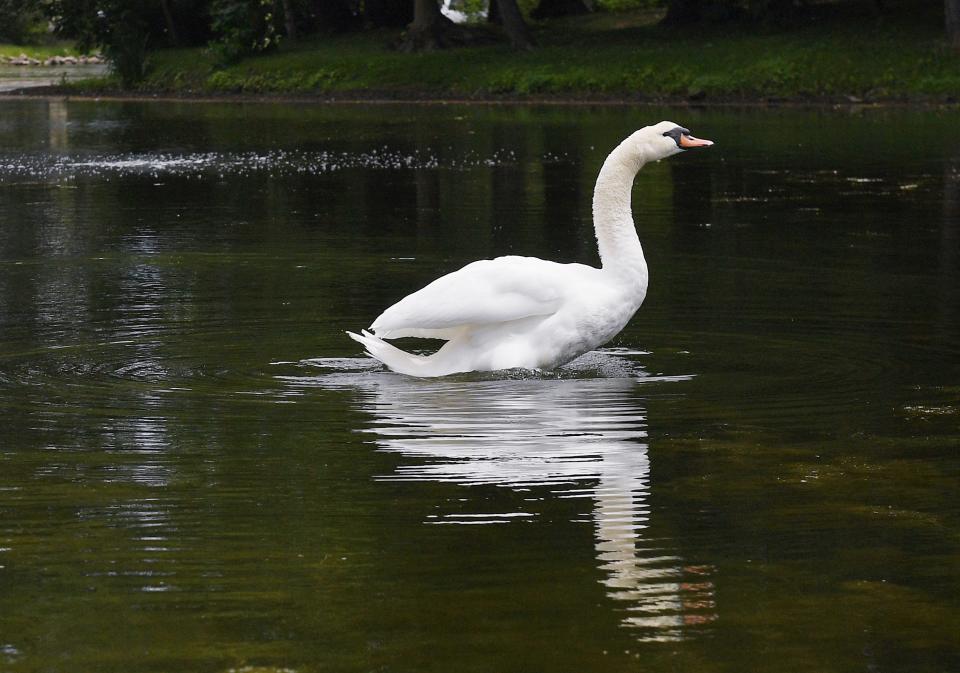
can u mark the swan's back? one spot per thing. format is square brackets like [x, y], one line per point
[483, 293]
[526, 312]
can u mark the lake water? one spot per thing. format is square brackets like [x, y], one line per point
[200, 472]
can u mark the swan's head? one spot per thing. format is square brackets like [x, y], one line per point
[664, 140]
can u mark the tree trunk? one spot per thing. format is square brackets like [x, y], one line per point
[952, 11]
[514, 26]
[431, 30]
[289, 20]
[493, 13]
[171, 27]
[427, 31]
[426, 14]
[949, 247]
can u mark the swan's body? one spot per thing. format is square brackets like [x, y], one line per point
[530, 313]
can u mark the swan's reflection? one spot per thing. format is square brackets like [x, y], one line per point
[575, 438]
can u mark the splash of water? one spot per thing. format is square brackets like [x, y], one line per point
[223, 164]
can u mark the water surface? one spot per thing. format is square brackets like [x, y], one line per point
[200, 472]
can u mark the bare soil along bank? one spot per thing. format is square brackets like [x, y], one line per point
[434, 98]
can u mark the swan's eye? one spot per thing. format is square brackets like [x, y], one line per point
[677, 133]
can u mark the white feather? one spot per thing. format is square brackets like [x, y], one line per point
[527, 312]
[483, 292]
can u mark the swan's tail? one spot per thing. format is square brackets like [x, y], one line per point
[394, 358]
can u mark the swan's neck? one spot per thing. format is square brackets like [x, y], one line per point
[620, 249]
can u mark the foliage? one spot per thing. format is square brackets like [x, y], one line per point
[624, 54]
[125, 41]
[243, 28]
[474, 10]
[603, 56]
[126, 29]
[121, 28]
[21, 21]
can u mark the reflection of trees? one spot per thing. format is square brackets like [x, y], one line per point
[57, 120]
[692, 192]
[509, 211]
[149, 457]
[567, 221]
[950, 248]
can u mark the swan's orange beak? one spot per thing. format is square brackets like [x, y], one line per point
[687, 142]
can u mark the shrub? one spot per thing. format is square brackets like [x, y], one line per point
[21, 22]
[120, 27]
[243, 27]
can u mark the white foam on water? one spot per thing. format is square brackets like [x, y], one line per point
[221, 164]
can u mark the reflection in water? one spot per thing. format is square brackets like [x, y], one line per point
[58, 119]
[164, 506]
[574, 438]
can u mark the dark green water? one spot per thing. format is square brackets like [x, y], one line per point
[199, 472]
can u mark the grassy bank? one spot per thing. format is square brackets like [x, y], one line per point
[38, 51]
[852, 56]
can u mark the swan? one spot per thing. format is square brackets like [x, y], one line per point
[523, 312]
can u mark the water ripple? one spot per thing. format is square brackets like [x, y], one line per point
[223, 164]
[549, 438]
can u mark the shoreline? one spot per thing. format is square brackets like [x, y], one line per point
[602, 59]
[438, 98]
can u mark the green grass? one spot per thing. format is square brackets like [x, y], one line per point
[617, 56]
[41, 51]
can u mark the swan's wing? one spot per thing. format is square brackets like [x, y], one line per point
[481, 293]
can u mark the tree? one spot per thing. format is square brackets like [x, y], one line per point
[121, 28]
[171, 26]
[493, 13]
[21, 21]
[952, 12]
[514, 26]
[289, 20]
[244, 27]
[430, 30]
[124, 30]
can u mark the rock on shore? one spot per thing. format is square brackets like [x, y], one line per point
[23, 59]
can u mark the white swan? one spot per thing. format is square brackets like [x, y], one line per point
[530, 313]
